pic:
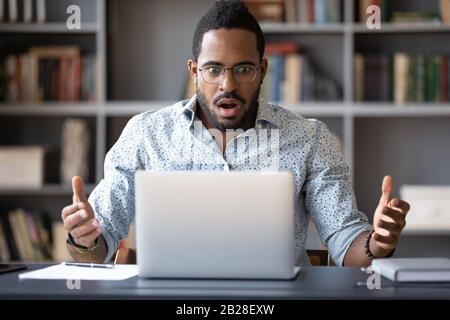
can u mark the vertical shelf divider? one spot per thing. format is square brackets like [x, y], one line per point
[100, 150]
[348, 120]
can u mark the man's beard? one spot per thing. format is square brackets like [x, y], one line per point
[245, 119]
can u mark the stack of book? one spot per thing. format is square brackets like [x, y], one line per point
[390, 13]
[402, 78]
[28, 166]
[13, 11]
[414, 270]
[48, 74]
[24, 236]
[296, 11]
[291, 77]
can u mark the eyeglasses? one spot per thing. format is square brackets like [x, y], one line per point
[243, 73]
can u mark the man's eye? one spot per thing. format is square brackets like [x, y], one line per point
[243, 69]
[214, 71]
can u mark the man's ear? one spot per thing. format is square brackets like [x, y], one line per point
[193, 71]
[263, 66]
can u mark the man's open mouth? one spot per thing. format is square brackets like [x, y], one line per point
[228, 108]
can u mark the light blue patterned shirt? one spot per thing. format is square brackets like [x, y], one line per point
[173, 138]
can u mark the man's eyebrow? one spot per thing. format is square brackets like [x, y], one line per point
[245, 62]
[216, 63]
[213, 63]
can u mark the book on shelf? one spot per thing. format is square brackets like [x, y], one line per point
[291, 77]
[2, 10]
[296, 11]
[25, 236]
[414, 17]
[21, 167]
[13, 10]
[27, 166]
[444, 8]
[327, 11]
[266, 10]
[401, 77]
[394, 14]
[41, 11]
[53, 73]
[413, 269]
[27, 11]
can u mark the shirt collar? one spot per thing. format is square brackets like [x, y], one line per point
[187, 107]
[266, 114]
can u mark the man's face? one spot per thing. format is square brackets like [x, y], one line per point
[230, 103]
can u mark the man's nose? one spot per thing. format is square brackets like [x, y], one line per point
[228, 83]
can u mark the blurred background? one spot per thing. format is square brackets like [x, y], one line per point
[66, 93]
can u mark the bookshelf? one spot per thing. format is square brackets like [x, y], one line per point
[142, 55]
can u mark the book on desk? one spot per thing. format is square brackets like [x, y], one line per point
[413, 269]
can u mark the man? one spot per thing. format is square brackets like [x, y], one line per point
[228, 68]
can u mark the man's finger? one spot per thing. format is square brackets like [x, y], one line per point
[88, 239]
[390, 227]
[68, 210]
[78, 190]
[400, 204]
[84, 229]
[395, 215]
[75, 219]
[71, 209]
[387, 240]
[386, 190]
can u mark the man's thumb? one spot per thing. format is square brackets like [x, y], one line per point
[78, 189]
[386, 190]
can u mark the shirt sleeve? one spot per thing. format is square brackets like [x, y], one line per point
[113, 198]
[329, 197]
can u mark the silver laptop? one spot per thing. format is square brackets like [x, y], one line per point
[234, 225]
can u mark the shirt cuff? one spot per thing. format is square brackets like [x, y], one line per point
[111, 244]
[340, 242]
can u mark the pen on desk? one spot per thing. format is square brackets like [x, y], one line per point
[89, 265]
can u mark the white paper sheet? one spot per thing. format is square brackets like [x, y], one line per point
[63, 272]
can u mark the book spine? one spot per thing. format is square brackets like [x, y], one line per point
[420, 78]
[444, 78]
[2, 10]
[41, 14]
[448, 77]
[401, 68]
[320, 11]
[9, 236]
[358, 77]
[27, 10]
[13, 10]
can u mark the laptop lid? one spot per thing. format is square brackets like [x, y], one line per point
[215, 224]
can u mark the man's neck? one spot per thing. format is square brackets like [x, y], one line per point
[222, 138]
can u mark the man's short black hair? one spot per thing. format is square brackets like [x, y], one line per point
[227, 14]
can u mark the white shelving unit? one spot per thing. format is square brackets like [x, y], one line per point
[144, 69]
[50, 27]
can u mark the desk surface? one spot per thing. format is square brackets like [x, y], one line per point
[312, 283]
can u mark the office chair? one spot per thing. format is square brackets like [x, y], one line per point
[128, 256]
